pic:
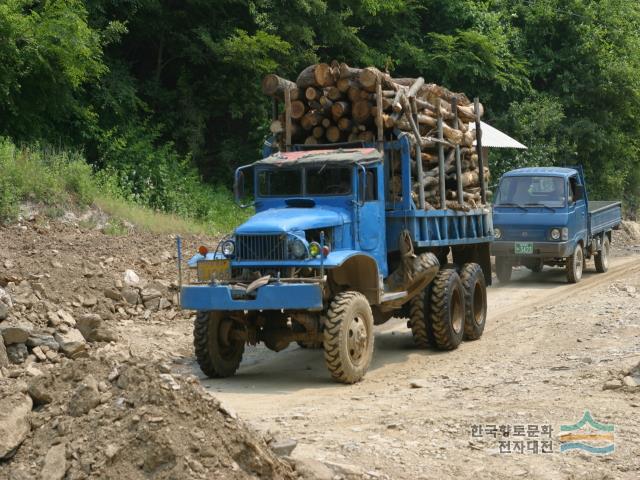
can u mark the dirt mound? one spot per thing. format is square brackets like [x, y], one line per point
[112, 417]
[627, 238]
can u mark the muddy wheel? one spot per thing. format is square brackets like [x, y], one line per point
[419, 316]
[475, 300]
[574, 265]
[420, 319]
[447, 310]
[503, 269]
[348, 337]
[602, 257]
[217, 353]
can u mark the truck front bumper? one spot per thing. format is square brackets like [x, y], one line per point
[274, 296]
[540, 249]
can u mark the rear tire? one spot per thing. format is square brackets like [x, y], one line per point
[475, 300]
[447, 310]
[217, 354]
[420, 319]
[348, 337]
[574, 265]
[602, 257]
[503, 269]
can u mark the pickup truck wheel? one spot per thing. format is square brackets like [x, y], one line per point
[503, 269]
[348, 337]
[602, 257]
[574, 265]
[217, 353]
[475, 300]
[420, 319]
[447, 310]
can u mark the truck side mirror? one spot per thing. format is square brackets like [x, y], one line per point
[239, 188]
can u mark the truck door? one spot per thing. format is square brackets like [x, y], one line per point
[577, 211]
[370, 228]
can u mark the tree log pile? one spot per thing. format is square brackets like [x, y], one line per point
[335, 103]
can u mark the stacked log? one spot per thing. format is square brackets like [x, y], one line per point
[336, 103]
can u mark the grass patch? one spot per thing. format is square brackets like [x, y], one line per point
[61, 180]
[149, 220]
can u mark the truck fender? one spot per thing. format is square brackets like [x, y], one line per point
[359, 273]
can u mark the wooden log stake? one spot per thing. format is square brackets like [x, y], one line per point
[483, 193]
[441, 166]
[287, 113]
[454, 108]
[379, 120]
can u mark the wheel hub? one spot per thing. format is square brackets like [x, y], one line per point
[357, 340]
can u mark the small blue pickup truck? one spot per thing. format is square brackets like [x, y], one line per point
[331, 252]
[543, 216]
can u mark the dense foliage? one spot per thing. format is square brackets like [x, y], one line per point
[159, 93]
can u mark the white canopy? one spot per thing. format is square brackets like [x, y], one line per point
[494, 138]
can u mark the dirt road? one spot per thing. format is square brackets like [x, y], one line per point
[548, 349]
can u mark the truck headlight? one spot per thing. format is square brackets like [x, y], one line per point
[555, 234]
[228, 248]
[297, 248]
[565, 233]
[497, 233]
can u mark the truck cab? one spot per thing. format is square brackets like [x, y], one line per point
[542, 216]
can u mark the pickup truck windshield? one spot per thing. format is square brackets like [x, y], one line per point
[532, 191]
[320, 180]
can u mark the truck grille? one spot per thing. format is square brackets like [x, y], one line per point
[261, 247]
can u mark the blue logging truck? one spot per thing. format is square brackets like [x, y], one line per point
[331, 252]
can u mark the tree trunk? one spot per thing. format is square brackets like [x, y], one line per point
[313, 94]
[298, 109]
[318, 132]
[347, 72]
[334, 94]
[334, 134]
[274, 86]
[345, 124]
[323, 74]
[340, 109]
[361, 111]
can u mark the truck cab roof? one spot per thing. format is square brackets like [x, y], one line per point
[307, 157]
[542, 171]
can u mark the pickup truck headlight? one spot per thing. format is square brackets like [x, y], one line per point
[497, 233]
[555, 234]
[297, 248]
[565, 233]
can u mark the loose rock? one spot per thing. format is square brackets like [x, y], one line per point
[16, 332]
[71, 343]
[93, 329]
[17, 353]
[55, 463]
[14, 422]
[85, 397]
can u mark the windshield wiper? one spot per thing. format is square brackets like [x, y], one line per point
[511, 205]
[540, 205]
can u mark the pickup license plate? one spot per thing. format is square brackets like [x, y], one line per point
[523, 248]
[209, 270]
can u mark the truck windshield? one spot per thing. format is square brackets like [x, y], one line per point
[320, 180]
[532, 191]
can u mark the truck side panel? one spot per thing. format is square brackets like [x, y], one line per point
[604, 216]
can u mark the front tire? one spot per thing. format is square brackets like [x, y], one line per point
[475, 300]
[574, 265]
[348, 337]
[447, 310]
[217, 353]
[503, 269]
[602, 257]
